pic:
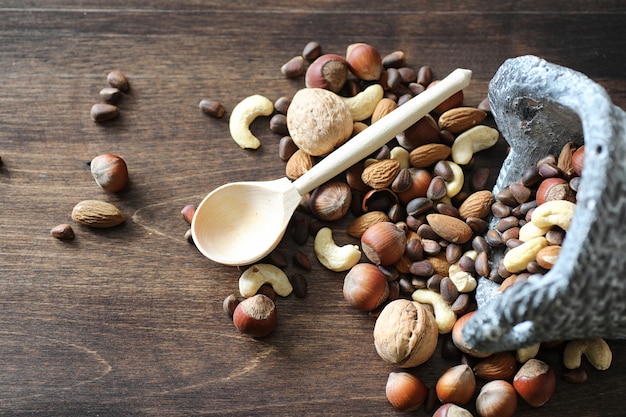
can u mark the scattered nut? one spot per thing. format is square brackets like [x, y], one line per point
[405, 392]
[97, 214]
[258, 274]
[333, 257]
[212, 108]
[117, 79]
[363, 104]
[110, 172]
[62, 232]
[597, 352]
[444, 316]
[405, 333]
[255, 316]
[243, 115]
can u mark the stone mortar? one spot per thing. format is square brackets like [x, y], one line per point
[538, 107]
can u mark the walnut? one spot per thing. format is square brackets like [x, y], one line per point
[405, 333]
[318, 121]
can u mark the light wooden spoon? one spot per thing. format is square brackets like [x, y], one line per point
[242, 222]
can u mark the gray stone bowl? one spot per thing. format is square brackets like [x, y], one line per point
[538, 107]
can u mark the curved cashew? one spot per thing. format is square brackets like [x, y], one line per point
[554, 213]
[363, 104]
[462, 280]
[529, 352]
[243, 115]
[444, 315]
[401, 155]
[531, 230]
[458, 178]
[336, 258]
[597, 352]
[254, 277]
[476, 139]
[516, 259]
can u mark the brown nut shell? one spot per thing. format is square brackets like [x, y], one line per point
[405, 333]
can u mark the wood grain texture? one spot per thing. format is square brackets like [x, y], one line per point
[129, 321]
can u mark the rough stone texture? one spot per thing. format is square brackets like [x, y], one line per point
[538, 106]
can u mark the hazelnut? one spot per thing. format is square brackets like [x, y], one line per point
[456, 385]
[405, 391]
[110, 172]
[535, 382]
[383, 243]
[554, 188]
[577, 160]
[496, 399]
[405, 333]
[451, 410]
[365, 287]
[187, 212]
[459, 342]
[329, 72]
[331, 201]
[364, 61]
[255, 316]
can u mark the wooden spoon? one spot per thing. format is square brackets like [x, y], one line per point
[242, 222]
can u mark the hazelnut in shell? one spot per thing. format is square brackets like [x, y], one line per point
[459, 342]
[383, 243]
[456, 385]
[255, 316]
[496, 399]
[452, 410]
[405, 333]
[329, 72]
[365, 287]
[331, 201]
[535, 382]
[110, 172]
[405, 392]
[364, 61]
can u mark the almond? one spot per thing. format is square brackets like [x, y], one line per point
[299, 163]
[502, 365]
[450, 228]
[477, 204]
[440, 264]
[459, 119]
[383, 108]
[381, 173]
[359, 225]
[427, 155]
[98, 214]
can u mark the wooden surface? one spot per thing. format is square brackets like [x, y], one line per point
[129, 321]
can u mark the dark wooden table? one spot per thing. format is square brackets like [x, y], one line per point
[129, 321]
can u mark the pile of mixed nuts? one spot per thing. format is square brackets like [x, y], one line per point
[421, 209]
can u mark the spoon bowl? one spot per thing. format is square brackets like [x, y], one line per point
[240, 223]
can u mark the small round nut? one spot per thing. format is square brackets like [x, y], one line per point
[255, 316]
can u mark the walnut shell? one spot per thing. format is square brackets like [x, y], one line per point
[405, 333]
[318, 121]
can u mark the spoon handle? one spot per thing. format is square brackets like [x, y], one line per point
[382, 131]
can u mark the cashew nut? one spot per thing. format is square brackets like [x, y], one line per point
[243, 115]
[476, 139]
[458, 178]
[254, 277]
[554, 213]
[363, 104]
[401, 155]
[516, 259]
[444, 315]
[597, 352]
[336, 258]
[531, 230]
[526, 353]
[462, 280]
